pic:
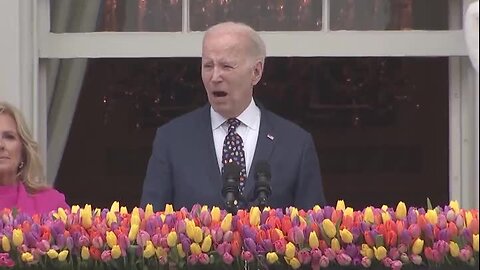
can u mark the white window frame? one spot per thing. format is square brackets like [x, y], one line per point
[463, 115]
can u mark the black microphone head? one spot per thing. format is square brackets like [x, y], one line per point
[263, 168]
[231, 171]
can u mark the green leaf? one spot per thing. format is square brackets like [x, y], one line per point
[429, 204]
[379, 241]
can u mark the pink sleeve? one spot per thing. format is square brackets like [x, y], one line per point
[50, 199]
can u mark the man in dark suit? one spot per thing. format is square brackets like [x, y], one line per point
[189, 152]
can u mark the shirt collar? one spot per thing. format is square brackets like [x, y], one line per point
[249, 117]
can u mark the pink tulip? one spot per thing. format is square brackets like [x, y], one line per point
[343, 259]
[192, 259]
[227, 258]
[324, 261]
[203, 258]
[247, 256]
[304, 256]
[396, 265]
[366, 262]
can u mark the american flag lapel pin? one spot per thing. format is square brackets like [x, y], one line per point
[270, 136]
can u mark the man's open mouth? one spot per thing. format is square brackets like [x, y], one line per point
[219, 93]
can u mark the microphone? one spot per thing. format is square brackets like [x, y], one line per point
[262, 183]
[231, 182]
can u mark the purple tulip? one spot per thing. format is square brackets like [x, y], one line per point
[267, 245]
[394, 253]
[69, 243]
[205, 218]
[142, 238]
[223, 248]
[318, 216]
[30, 240]
[217, 235]
[263, 217]
[170, 221]
[327, 212]
[295, 235]
[228, 236]
[330, 253]
[444, 235]
[249, 232]
[442, 221]
[43, 245]
[428, 232]
[60, 241]
[185, 241]
[387, 262]
[352, 251]
[250, 245]
[156, 240]
[442, 247]
[123, 242]
[411, 216]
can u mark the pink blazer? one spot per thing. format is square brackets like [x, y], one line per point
[16, 196]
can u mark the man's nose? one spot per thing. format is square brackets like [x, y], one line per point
[216, 74]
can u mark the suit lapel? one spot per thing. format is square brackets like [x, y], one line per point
[263, 149]
[206, 126]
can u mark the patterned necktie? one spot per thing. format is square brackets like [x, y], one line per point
[233, 150]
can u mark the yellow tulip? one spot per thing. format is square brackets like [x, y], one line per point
[190, 228]
[162, 217]
[132, 234]
[52, 254]
[316, 208]
[417, 247]
[62, 215]
[123, 210]
[168, 209]
[454, 249]
[329, 228]
[346, 235]
[207, 243]
[135, 217]
[172, 239]
[340, 205]
[290, 250]
[279, 233]
[335, 245]
[97, 212]
[180, 251]
[380, 252]
[85, 253]
[401, 211]
[17, 237]
[198, 235]
[111, 217]
[216, 214]
[115, 207]
[149, 250]
[27, 257]
[384, 208]
[62, 256]
[348, 212]
[116, 252]
[148, 211]
[226, 223]
[272, 257]
[455, 206]
[293, 212]
[111, 239]
[313, 240]
[431, 216]
[5, 244]
[475, 242]
[75, 208]
[86, 216]
[468, 218]
[368, 215]
[294, 263]
[366, 251]
[195, 248]
[385, 217]
[255, 216]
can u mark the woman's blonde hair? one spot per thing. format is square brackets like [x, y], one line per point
[31, 173]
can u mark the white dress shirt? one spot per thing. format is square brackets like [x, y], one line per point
[248, 130]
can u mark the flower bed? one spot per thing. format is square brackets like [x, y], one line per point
[203, 238]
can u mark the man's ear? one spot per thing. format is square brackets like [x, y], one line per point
[257, 72]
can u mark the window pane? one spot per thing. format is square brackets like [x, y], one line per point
[380, 124]
[115, 15]
[266, 15]
[389, 14]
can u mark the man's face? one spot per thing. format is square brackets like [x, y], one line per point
[229, 72]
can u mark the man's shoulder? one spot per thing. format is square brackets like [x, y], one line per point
[284, 125]
[190, 119]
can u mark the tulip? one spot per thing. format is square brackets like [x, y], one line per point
[386, 217]
[366, 251]
[227, 258]
[348, 212]
[172, 239]
[401, 211]
[86, 216]
[368, 215]
[6, 244]
[52, 254]
[111, 218]
[195, 248]
[254, 216]
[226, 224]
[116, 252]
[62, 256]
[247, 256]
[366, 262]
[475, 242]
[168, 209]
[380, 253]
[340, 205]
[454, 249]
[106, 256]
[417, 247]
[207, 244]
[272, 257]
[346, 236]
[85, 253]
[216, 213]
[149, 250]
[197, 234]
[431, 217]
[203, 259]
[455, 206]
[17, 237]
[123, 210]
[313, 240]
[335, 245]
[27, 257]
[324, 261]
[304, 256]
[148, 211]
[329, 228]
[290, 250]
[111, 239]
[343, 259]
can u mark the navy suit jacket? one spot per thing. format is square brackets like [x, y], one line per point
[183, 168]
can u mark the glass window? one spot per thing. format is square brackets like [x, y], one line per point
[380, 124]
[389, 14]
